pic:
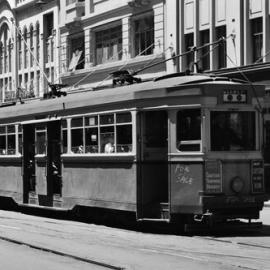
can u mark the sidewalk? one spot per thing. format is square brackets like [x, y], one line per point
[267, 204]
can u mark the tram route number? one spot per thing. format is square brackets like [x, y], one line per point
[234, 199]
[182, 174]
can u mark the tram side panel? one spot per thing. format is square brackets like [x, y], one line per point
[11, 184]
[99, 184]
[186, 184]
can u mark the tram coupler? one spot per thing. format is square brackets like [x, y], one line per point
[207, 218]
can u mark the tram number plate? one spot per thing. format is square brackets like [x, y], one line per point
[234, 199]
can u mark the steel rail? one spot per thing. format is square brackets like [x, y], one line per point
[90, 261]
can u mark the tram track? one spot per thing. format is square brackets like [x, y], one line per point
[63, 254]
[240, 243]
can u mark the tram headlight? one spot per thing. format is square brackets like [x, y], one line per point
[237, 184]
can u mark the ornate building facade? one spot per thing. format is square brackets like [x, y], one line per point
[78, 43]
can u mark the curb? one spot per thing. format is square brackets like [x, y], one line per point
[267, 204]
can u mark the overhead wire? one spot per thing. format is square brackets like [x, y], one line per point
[29, 49]
[248, 81]
[126, 63]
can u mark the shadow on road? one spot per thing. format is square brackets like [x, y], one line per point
[127, 221]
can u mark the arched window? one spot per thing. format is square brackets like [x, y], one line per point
[20, 49]
[31, 45]
[9, 55]
[5, 47]
[25, 49]
[38, 42]
[1, 58]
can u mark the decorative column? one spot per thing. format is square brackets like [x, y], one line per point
[42, 63]
[87, 48]
[63, 53]
[126, 27]
[159, 28]
[266, 30]
[212, 36]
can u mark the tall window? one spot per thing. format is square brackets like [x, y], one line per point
[222, 48]
[76, 53]
[144, 35]
[20, 50]
[257, 39]
[205, 55]
[37, 42]
[9, 55]
[25, 50]
[1, 58]
[109, 45]
[31, 45]
[189, 43]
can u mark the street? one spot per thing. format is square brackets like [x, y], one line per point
[48, 243]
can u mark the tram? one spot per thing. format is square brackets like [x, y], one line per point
[170, 149]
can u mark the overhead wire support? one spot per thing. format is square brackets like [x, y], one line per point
[260, 108]
[55, 88]
[182, 54]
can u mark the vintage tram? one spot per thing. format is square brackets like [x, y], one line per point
[175, 148]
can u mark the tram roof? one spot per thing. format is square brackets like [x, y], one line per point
[150, 89]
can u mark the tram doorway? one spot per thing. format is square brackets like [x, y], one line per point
[152, 192]
[42, 166]
[29, 164]
[54, 164]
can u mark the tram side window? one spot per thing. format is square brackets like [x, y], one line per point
[107, 133]
[20, 139]
[189, 130]
[267, 142]
[232, 131]
[41, 134]
[11, 140]
[3, 142]
[123, 132]
[77, 144]
[91, 134]
[7, 140]
[64, 136]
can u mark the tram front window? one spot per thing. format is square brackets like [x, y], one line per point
[189, 130]
[232, 131]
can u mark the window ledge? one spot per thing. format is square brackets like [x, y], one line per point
[114, 65]
[75, 5]
[124, 157]
[9, 158]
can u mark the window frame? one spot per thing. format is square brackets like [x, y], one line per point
[68, 129]
[256, 129]
[16, 133]
[189, 142]
[135, 19]
[257, 38]
[104, 42]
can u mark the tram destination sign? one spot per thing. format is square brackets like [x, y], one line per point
[235, 96]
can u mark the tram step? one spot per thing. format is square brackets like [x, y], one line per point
[164, 211]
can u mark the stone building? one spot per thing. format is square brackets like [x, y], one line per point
[78, 43]
[29, 41]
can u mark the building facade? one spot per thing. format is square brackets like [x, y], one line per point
[81, 43]
[29, 42]
[78, 43]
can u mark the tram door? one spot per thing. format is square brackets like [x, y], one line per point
[29, 164]
[54, 164]
[153, 169]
